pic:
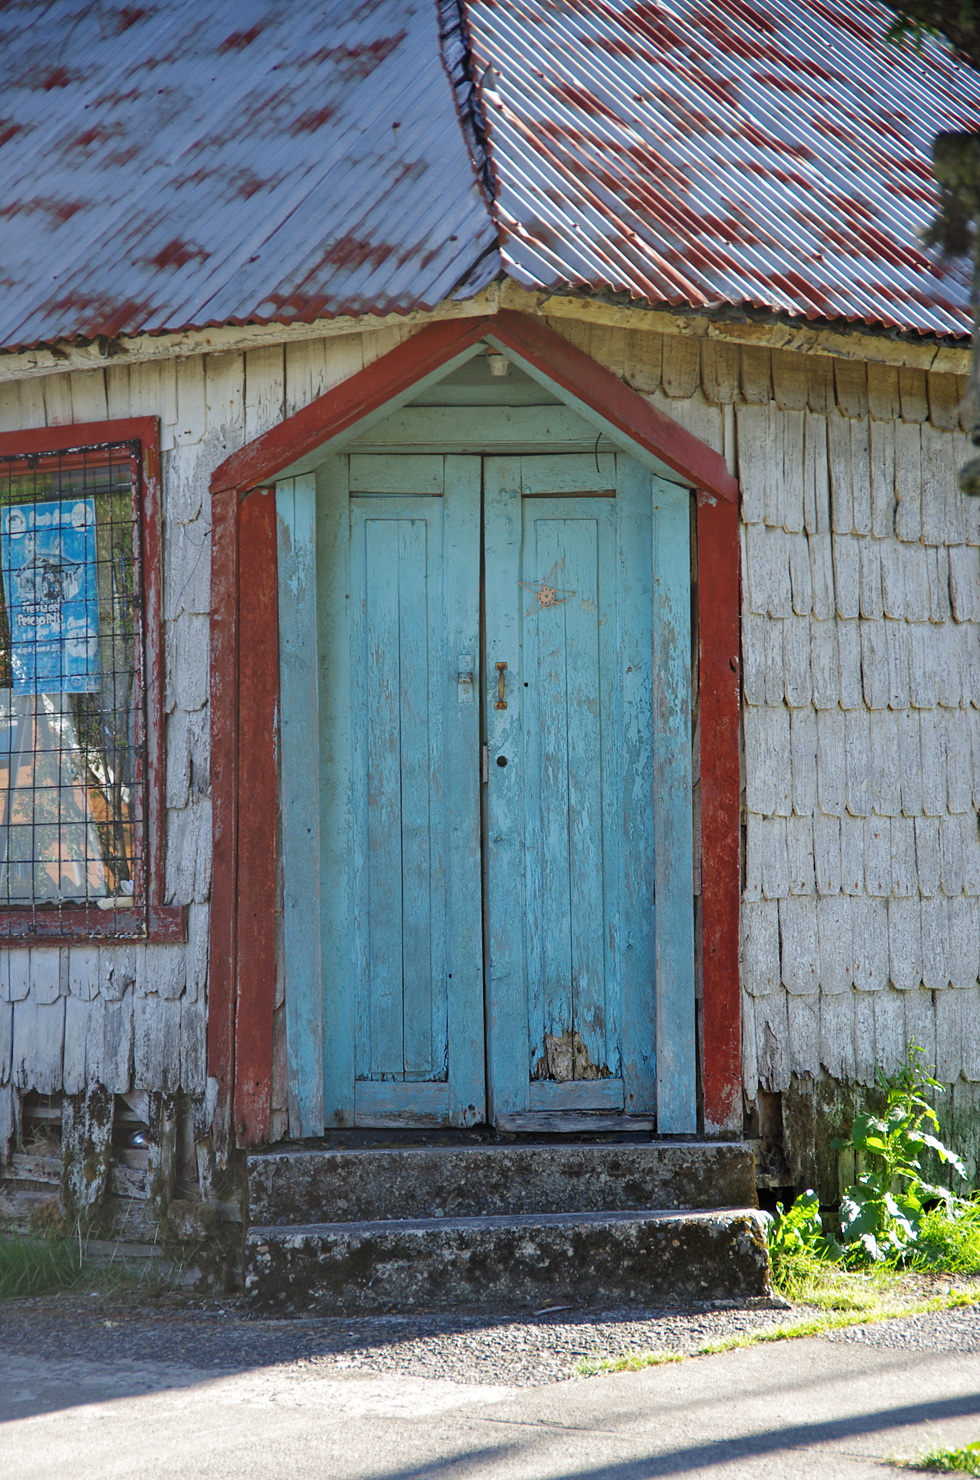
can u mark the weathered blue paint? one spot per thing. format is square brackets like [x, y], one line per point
[336, 802]
[593, 802]
[408, 975]
[570, 851]
[296, 527]
[508, 1050]
[676, 1091]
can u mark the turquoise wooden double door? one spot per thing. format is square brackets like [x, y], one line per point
[492, 808]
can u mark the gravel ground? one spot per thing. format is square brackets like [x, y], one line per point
[216, 1335]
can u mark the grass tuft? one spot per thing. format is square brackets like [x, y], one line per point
[836, 1298]
[949, 1461]
[951, 1239]
[34, 1266]
[629, 1362]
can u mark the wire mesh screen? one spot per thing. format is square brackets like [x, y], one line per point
[72, 730]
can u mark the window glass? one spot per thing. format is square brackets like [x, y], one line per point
[72, 751]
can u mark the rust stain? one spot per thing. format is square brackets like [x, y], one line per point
[238, 40]
[178, 253]
[308, 123]
[355, 63]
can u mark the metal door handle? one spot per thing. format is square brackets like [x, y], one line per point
[501, 701]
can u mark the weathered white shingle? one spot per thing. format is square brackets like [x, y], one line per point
[796, 661]
[824, 664]
[964, 943]
[883, 482]
[886, 785]
[905, 944]
[836, 950]
[857, 730]
[878, 856]
[852, 855]
[898, 645]
[851, 681]
[831, 767]
[927, 853]
[803, 740]
[775, 865]
[935, 943]
[847, 575]
[933, 739]
[760, 948]
[890, 1042]
[905, 881]
[870, 565]
[822, 575]
[826, 853]
[951, 854]
[869, 938]
[800, 575]
[908, 481]
[803, 1018]
[799, 853]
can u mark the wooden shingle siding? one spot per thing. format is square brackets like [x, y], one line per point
[861, 709]
[860, 635]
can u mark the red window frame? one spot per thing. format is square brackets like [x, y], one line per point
[152, 920]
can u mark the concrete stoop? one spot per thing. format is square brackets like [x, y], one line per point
[502, 1228]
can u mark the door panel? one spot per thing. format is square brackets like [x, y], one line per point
[570, 817]
[579, 996]
[410, 965]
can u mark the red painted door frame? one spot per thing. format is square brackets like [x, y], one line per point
[245, 685]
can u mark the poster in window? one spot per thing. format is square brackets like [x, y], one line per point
[51, 588]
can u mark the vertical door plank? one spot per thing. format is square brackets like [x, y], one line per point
[296, 529]
[589, 571]
[337, 950]
[630, 799]
[415, 859]
[464, 921]
[423, 872]
[507, 1059]
[674, 919]
[375, 696]
[545, 760]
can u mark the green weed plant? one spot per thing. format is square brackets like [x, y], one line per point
[892, 1216]
[950, 1461]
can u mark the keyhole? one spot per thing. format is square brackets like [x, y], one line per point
[501, 760]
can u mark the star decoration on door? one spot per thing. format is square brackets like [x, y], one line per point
[547, 592]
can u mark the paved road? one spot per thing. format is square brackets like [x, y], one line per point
[814, 1408]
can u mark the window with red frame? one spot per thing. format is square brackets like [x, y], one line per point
[76, 712]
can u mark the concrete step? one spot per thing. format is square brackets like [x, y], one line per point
[583, 1259]
[288, 1187]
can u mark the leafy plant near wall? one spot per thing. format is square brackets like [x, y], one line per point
[891, 1214]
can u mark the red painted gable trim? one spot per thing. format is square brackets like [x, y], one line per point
[244, 692]
[426, 351]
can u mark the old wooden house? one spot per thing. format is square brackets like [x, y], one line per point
[491, 631]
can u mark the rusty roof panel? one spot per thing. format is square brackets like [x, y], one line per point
[178, 165]
[765, 153]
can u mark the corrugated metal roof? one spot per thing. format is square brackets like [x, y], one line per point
[772, 153]
[183, 164]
